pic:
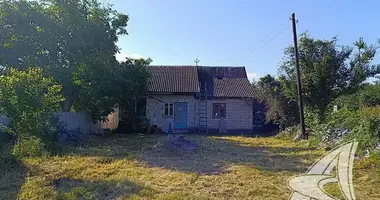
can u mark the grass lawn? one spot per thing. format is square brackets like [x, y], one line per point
[138, 167]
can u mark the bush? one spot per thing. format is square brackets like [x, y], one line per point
[367, 133]
[364, 125]
[133, 125]
[29, 147]
[344, 118]
[367, 96]
[28, 100]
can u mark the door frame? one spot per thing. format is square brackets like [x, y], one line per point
[185, 115]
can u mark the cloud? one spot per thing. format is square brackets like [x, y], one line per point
[121, 56]
[252, 76]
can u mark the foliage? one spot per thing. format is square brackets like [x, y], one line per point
[127, 82]
[368, 95]
[29, 99]
[134, 74]
[367, 133]
[363, 123]
[29, 147]
[280, 110]
[312, 119]
[327, 70]
[74, 41]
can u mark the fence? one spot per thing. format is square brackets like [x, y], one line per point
[81, 121]
[3, 120]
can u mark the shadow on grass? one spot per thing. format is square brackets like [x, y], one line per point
[80, 189]
[214, 156]
[12, 173]
[114, 147]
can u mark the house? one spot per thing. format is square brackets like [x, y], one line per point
[199, 99]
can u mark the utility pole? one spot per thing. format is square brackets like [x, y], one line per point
[304, 135]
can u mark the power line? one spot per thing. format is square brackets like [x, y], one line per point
[278, 34]
[253, 46]
[259, 44]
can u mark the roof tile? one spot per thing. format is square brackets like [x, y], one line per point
[232, 87]
[173, 79]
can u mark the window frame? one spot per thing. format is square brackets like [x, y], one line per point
[169, 109]
[216, 108]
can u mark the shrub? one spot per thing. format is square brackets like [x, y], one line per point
[29, 99]
[364, 125]
[280, 110]
[367, 96]
[29, 147]
[344, 118]
[367, 133]
[312, 118]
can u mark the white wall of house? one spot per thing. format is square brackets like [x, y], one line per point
[238, 114]
[155, 110]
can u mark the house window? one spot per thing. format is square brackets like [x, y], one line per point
[169, 110]
[219, 110]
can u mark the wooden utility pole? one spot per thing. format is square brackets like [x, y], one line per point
[304, 135]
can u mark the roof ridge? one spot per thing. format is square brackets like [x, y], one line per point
[172, 66]
[226, 66]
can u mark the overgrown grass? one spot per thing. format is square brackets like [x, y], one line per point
[138, 167]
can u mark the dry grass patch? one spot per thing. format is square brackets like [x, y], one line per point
[137, 167]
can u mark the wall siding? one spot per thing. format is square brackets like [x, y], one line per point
[155, 110]
[238, 112]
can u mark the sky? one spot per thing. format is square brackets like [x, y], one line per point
[250, 33]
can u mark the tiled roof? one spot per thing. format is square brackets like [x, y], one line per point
[225, 81]
[226, 72]
[221, 81]
[232, 87]
[173, 79]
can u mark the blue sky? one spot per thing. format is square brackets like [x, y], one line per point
[248, 33]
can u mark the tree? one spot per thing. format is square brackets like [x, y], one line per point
[280, 110]
[325, 73]
[74, 41]
[29, 99]
[360, 64]
[125, 84]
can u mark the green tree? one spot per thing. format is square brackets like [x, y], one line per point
[325, 73]
[280, 110]
[134, 73]
[29, 99]
[74, 41]
[366, 96]
[361, 66]
[125, 84]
